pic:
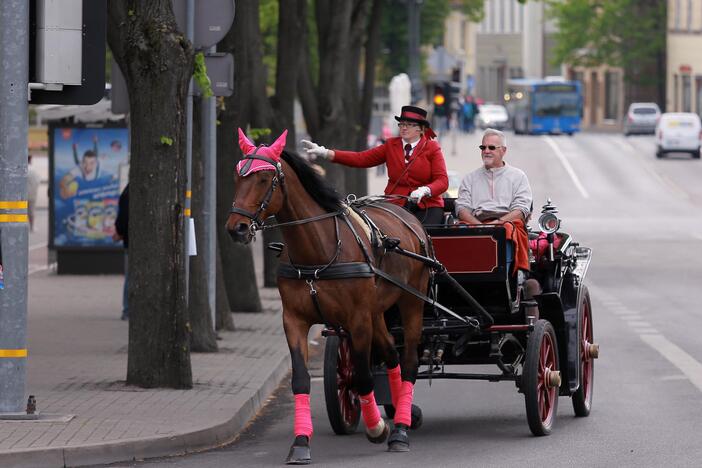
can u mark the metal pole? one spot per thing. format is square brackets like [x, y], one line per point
[190, 33]
[413, 13]
[209, 155]
[14, 57]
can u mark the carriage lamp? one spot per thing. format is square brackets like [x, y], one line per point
[549, 222]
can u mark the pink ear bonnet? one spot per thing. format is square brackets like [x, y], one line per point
[248, 166]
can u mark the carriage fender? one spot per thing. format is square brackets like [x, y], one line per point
[565, 323]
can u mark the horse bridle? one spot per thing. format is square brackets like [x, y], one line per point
[279, 177]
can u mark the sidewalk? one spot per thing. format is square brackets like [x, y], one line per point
[76, 369]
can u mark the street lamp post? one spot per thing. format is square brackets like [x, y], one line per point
[413, 14]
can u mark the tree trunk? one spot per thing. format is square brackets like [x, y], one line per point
[202, 336]
[223, 316]
[237, 259]
[157, 63]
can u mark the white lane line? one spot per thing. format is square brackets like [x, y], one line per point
[638, 323]
[566, 165]
[679, 358]
[38, 246]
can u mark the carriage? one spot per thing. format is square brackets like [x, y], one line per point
[537, 331]
[386, 286]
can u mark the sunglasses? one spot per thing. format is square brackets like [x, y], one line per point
[490, 147]
[407, 125]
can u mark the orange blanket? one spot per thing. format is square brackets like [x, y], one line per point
[516, 232]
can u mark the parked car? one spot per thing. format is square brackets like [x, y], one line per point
[642, 117]
[492, 116]
[679, 132]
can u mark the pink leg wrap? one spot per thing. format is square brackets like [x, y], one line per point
[369, 410]
[303, 415]
[403, 410]
[395, 382]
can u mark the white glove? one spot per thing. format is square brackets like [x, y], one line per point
[420, 193]
[314, 150]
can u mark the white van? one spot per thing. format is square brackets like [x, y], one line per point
[678, 132]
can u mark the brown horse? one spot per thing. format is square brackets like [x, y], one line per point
[327, 276]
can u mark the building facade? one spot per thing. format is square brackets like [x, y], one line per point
[684, 61]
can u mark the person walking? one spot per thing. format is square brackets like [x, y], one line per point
[415, 164]
[122, 233]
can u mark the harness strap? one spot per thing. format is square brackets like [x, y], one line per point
[407, 225]
[324, 272]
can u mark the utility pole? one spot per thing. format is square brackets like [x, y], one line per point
[190, 34]
[209, 212]
[413, 14]
[14, 235]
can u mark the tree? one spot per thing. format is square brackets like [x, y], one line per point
[157, 63]
[629, 34]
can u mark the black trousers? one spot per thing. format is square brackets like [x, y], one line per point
[433, 215]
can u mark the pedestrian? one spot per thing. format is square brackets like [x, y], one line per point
[122, 233]
[33, 181]
[415, 164]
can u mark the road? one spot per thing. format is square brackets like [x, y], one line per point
[641, 217]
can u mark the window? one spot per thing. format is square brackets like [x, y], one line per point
[611, 95]
[698, 95]
[676, 15]
[675, 93]
[689, 16]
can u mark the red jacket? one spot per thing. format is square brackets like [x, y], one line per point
[426, 168]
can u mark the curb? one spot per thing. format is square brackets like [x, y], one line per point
[140, 449]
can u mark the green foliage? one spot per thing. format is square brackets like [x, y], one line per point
[394, 30]
[623, 33]
[259, 133]
[200, 75]
[268, 22]
[166, 141]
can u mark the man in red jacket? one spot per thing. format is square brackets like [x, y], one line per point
[416, 166]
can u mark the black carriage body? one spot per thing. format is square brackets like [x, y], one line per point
[476, 257]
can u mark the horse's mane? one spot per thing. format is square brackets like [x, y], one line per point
[318, 188]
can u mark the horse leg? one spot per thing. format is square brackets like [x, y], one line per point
[296, 331]
[361, 338]
[411, 311]
[384, 345]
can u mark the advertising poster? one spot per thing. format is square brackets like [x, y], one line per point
[86, 184]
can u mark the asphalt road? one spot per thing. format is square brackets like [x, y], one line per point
[642, 219]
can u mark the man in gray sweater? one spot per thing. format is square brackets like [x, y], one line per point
[497, 192]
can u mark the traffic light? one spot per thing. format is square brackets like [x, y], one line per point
[440, 101]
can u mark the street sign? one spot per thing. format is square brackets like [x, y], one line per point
[220, 71]
[92, 87]
[213, 18]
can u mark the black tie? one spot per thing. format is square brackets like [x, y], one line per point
[408, 149]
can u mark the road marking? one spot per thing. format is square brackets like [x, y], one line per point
[567, 166]
[638, 323]
[679, 358]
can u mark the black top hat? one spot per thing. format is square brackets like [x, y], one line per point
[413, 114]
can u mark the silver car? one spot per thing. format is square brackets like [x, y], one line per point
[642, 117]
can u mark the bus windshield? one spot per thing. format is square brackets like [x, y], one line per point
[554, 104]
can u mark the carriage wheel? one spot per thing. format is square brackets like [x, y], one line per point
[541, 378]
[417, 416]
[343, 406]
[582, 398]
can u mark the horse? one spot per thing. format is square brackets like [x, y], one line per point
[330, 273]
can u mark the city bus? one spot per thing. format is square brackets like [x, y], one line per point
[538, 106]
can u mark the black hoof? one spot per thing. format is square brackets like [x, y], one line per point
[398, 441]
[300, 453]
[380, 438]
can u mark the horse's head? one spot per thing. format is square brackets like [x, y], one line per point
[258, 177]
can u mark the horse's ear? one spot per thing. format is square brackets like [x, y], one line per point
[278, 145]
[245, 144]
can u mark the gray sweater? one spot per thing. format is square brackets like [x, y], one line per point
[498, 190]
